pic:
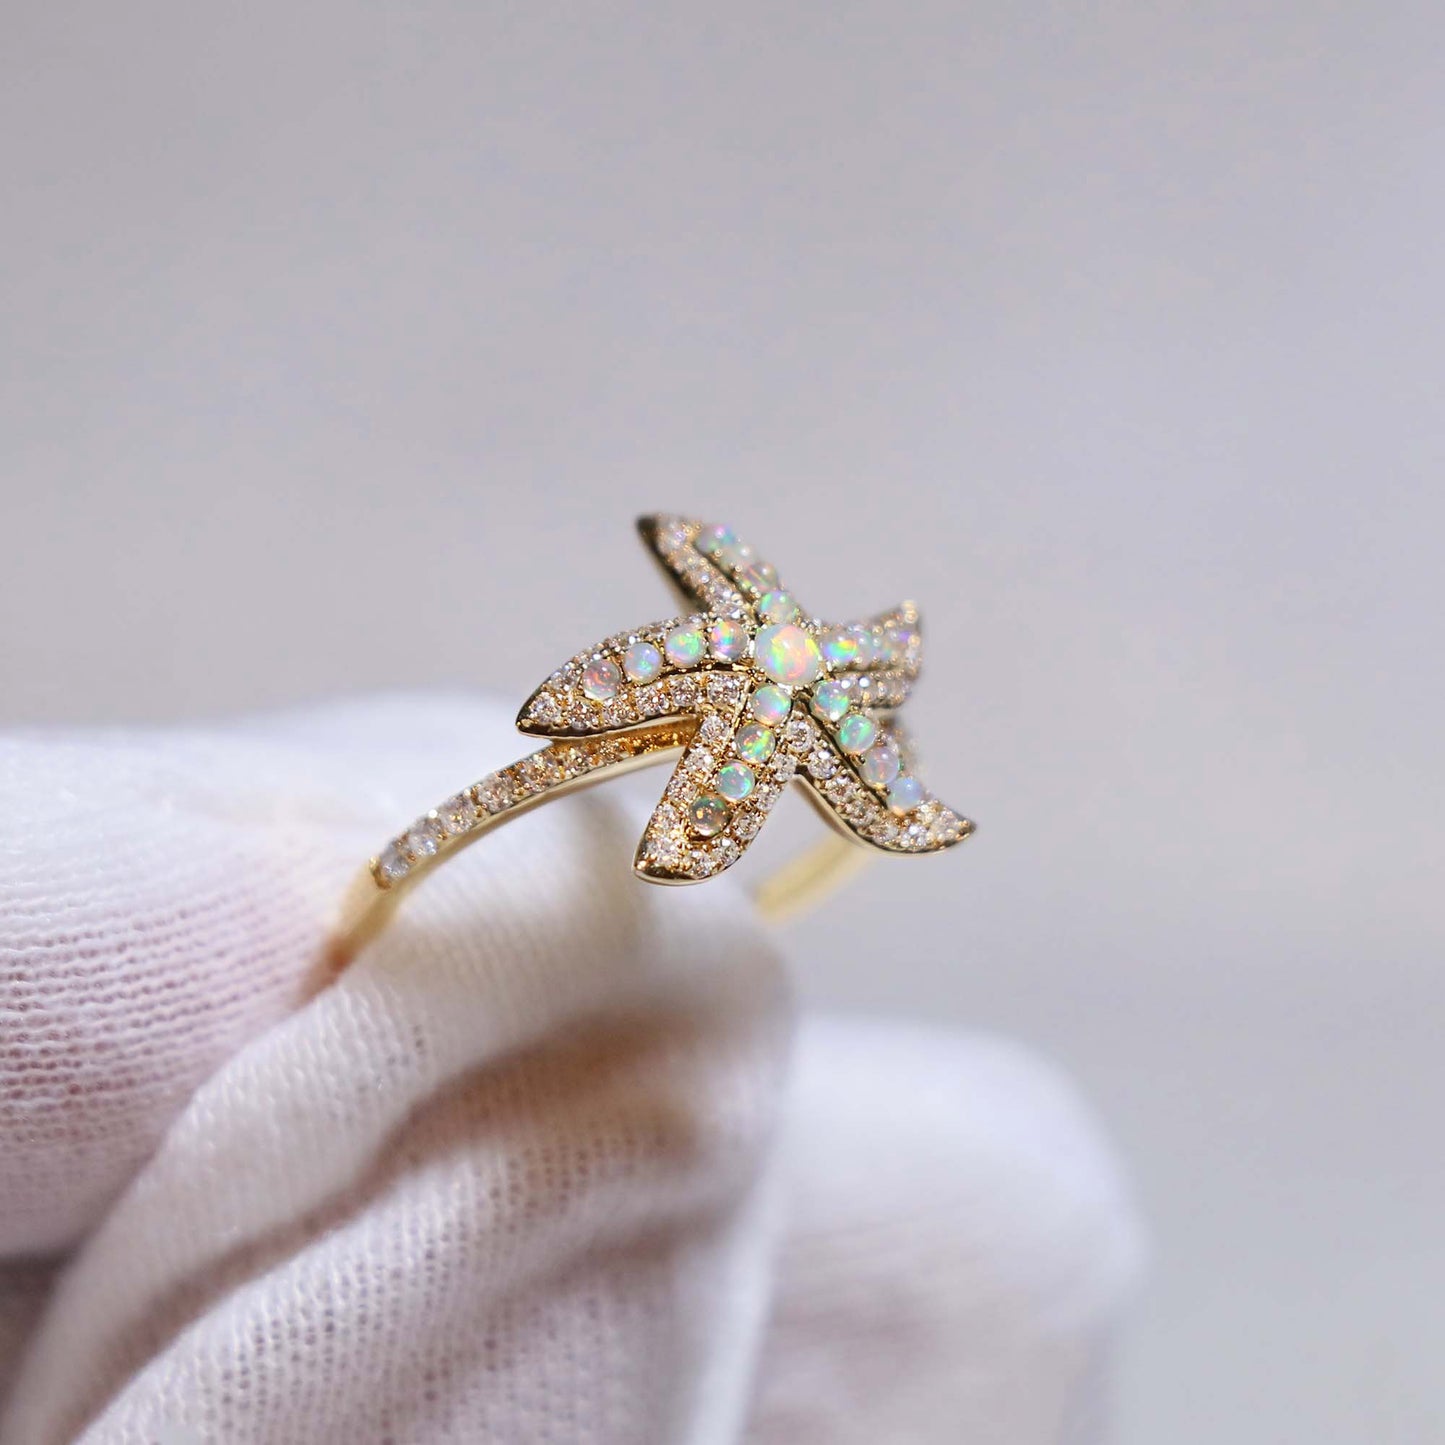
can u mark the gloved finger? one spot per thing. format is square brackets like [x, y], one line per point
[960, 1243]
[165, 894]
[491, 1183]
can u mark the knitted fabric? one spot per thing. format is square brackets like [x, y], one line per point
[535, 1168]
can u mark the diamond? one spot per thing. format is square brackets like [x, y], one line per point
[856, 733]
[684, 646]
[822, 764]
[392, 865]
[736, 781]
[493, 794]
[747, 823]
[458, 814]
[728, 639]
[755, 742]
[707, 815]
[642, 662]
[721, 688]
[788, 654]
[799, 733]
[770, 704]
[601, 678]
[831, 700]
[425, 837]
[880, 764]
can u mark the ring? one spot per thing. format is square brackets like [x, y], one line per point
[748, 693]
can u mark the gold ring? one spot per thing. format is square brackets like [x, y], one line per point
[749, 693]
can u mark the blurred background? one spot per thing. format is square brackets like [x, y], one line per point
[340, 344]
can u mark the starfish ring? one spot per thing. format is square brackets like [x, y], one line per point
[748, 693]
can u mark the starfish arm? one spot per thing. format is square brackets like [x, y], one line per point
[709, 565]
[878, 658]
[837, 782]
[678, 847]
[637, 678]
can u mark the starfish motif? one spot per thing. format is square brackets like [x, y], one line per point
[777, 695]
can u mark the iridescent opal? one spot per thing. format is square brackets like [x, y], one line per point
[777, 606]
[728, 639]
[685, 646]
[757, 576]
[642, 662]
[770, 704]
[735, 781]
[707, 815]
[848, 647]
[880, 764]
[601, 678]
[856, 733]
[756, 742]
[905, 794]
[713, 539]
[788, 654]
[831, 700]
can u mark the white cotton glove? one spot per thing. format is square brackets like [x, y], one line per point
[512, 1177]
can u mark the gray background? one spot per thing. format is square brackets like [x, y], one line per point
[342, 342]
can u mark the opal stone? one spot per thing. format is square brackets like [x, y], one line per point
[756, 742]
[905, 794]
[770, 704]
[831, 700]
[642, 662]
[856, 733]
[601, 678]
[735, 781]
[757, 576]
[839, 648]
[684, 646]
[848, 647]
[880, 764]
[713, 539]
[788, 654]
[777, 606]
[707, 815]
[728, 639]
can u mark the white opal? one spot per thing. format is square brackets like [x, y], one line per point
[642, 662]
[684, 646]
[788, 654]
[880, 764]
[905, 794]
[708, 815]
[601, 678]
[770, 704]
[728, 639]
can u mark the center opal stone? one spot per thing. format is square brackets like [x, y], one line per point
[788, 654]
